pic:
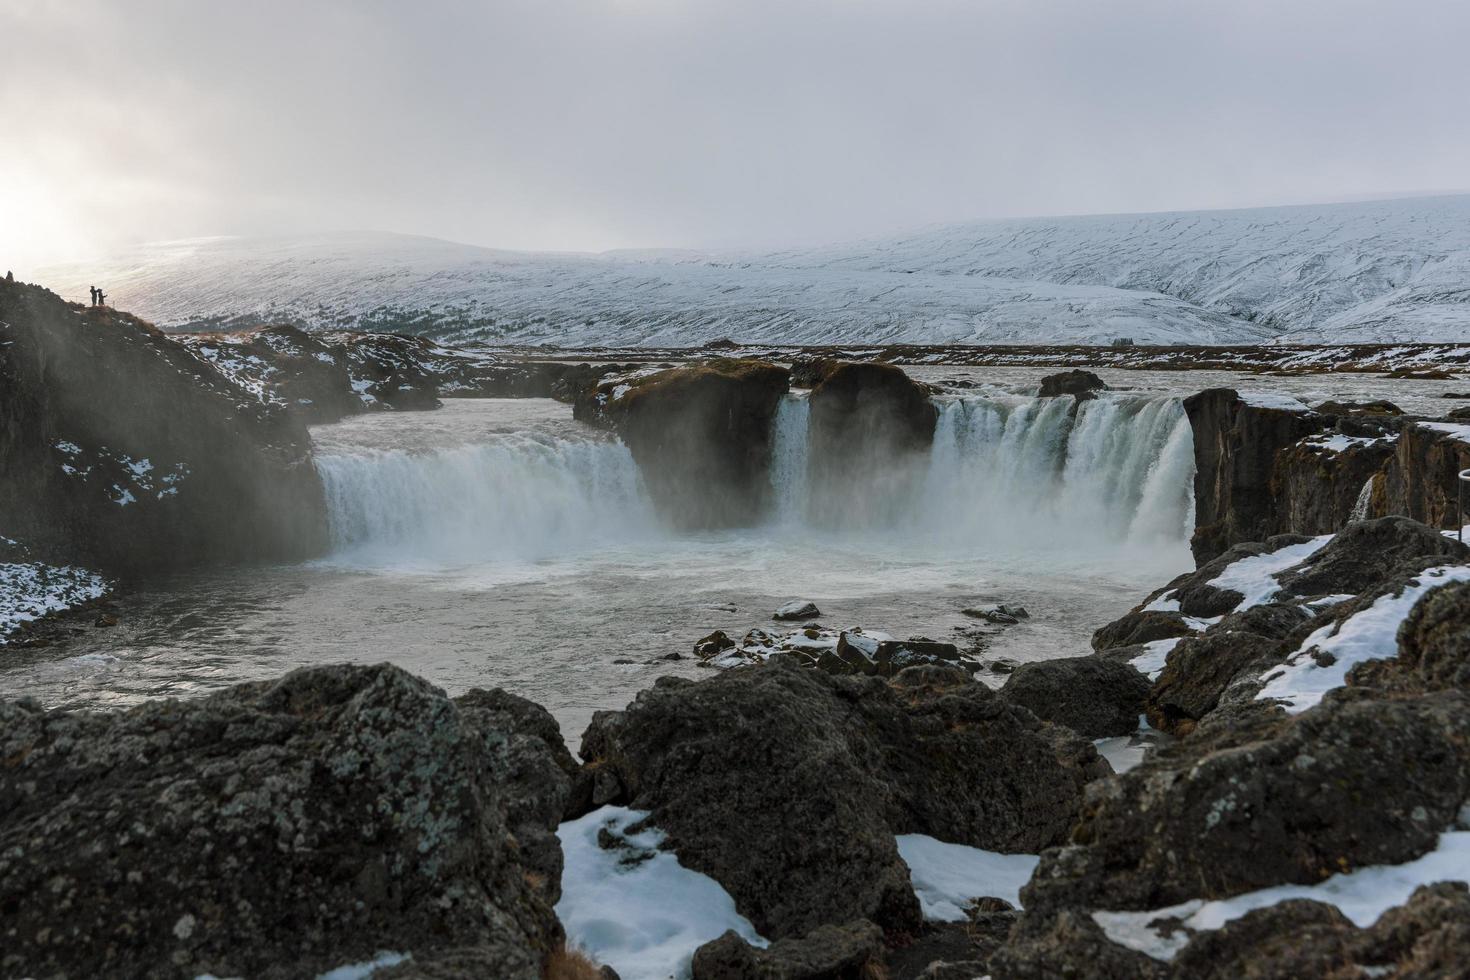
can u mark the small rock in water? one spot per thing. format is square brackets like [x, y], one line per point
[716, 642]
[798, 609]
[106, 620]
[1001, 666]
[1001, 615]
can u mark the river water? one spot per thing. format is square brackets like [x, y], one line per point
[500, 543]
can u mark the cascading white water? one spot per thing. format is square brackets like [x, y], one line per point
[517, 498]
[1023, 472]
[1364, 504]
[789, 458]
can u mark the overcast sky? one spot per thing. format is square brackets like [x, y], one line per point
[594, 124]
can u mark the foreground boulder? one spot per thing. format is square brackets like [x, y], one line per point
[788, 785]
[124, 452]
[275, 829]
[848, 952]
[1090, 695]
[701, 435]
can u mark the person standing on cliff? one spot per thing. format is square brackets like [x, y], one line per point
[93, 290]
[101, 298]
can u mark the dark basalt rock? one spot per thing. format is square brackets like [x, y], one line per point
[701, 435]
[871, 427]
[1235, 447]
[1140, 626]
[1365, 555]
[391, 370]
[1199, 671]
[787, 785]
[1082, 385]
[858, 654]
[1379, 407]
[837, 952]
[123, 451]
[275, 829]
[1257, 798]
[1090, 695]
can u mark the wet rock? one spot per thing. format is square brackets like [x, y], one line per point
[788, 785]
[801, 609]
[701, 434]
[1090, 695]
[713, 645]
[1001, 615]
[859, 653]
[853, 951]
[275, 829]
[1082, 385]
[540, 796]
[125, 453]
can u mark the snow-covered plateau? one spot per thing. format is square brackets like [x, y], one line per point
[1366, 272]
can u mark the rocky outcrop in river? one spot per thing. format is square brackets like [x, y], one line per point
[701, 435]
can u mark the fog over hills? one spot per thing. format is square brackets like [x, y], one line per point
[1391, 270]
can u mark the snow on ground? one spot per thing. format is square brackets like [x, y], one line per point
[349, 971]
[1336, 442]
[1255, 577]
[1155, 656]
[1124, 752]
[1378, 271]
[1269, 399]
[1362, 895]
[1455, 430]
[1369, 634]
[636, 908]
[947, 877]
[31, 590]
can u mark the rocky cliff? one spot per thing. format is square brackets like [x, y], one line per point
[124, 451]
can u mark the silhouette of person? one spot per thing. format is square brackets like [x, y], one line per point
[101, 298]
[94, 295]
[9, 276]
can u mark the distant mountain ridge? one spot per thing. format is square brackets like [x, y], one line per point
[1374, 271]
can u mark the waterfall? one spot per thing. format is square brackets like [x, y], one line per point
[1024, 472]
[789, 456]
[519, 497]
[1363, 504]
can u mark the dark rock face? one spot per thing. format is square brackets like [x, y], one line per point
[271, 830]
[125, 452]
[838, 952]
[870, 428]
[1421, 481]
[1317, 488]
[701, 435]
[1090, 695]
[1082, 385]
[1140, 626]
[391, 370]
[1235, 447]
[787, 785]
[1199, 671]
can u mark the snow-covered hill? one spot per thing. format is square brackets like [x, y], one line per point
[1385, 270]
